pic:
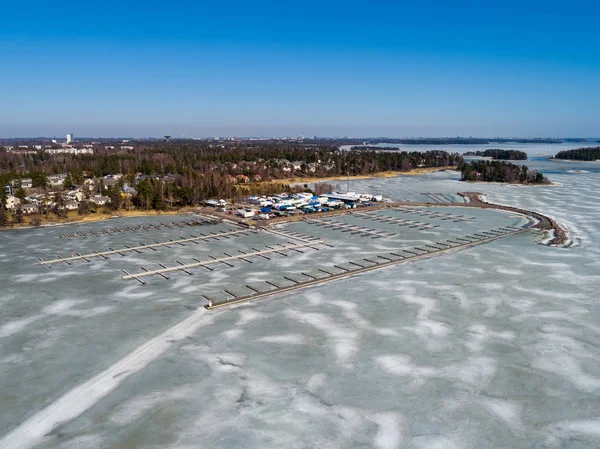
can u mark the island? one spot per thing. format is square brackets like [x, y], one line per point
[500, 171]
[580, 154]
[497, 153]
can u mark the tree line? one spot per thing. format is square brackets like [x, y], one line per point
[580, 154]
[213, 161]
[501, 154]
[500, 171]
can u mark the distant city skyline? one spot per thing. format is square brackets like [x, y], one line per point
[59, 139]
[526, 69]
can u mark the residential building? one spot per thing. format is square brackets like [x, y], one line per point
[56, 180]
[29, 209]
[110, 182]
[100, 200]
[128, 191]
[71, 205]
[74, 195]
[70, 150]
[12, 202]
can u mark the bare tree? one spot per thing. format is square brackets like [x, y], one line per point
[19, 214]
[3, 217]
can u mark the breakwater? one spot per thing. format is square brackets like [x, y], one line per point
[543, 222]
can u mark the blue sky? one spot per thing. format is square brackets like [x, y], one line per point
[426, 68]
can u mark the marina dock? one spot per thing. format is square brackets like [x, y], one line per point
[360, 269]
[263, 248]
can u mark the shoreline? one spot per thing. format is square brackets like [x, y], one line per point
[382, 174]
[570, 160]
[98, 217]
[513, 184]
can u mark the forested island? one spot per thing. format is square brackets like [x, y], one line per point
[497, 153]
[500, 171]
[580, 154]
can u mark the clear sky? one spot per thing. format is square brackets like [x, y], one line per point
[415, 68]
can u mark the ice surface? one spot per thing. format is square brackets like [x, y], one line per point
[497, 346]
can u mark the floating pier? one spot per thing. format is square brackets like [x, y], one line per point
[162, 271]
[141, 246]
[399, 221]
[360, 268]
[427, 213]
[139, 228]
[293, 235]
[347, 228]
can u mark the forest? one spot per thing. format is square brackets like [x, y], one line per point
[404, 160]
[497, 153]
[580, 154]
[500, 171]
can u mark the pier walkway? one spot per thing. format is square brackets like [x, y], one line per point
[374, 265]
[139, 228]
[243, 256]
[141, 246]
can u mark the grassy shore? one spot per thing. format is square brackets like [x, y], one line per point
[73, 217]
[383, 174]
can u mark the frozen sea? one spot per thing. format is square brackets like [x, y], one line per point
[495, 346]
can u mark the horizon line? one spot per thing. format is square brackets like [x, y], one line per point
[299, 137]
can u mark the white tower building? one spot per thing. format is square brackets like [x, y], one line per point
[70, 138]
